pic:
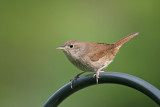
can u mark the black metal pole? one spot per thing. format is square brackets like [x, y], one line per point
[105, 77]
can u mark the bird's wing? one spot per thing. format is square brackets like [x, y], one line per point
[97, 51]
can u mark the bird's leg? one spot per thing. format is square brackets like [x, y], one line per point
[77, 76]
[97, 75]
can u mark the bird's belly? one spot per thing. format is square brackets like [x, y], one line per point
[85, 64]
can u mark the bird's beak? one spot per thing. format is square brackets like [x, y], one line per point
[61, 47]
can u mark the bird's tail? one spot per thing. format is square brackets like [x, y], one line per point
[119, 43]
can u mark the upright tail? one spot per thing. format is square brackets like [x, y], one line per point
[119, 43]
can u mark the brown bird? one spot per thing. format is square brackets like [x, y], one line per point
[90, 56]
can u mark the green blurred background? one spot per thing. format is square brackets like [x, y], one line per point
[31, 69]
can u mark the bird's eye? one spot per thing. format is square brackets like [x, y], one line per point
[71, 46]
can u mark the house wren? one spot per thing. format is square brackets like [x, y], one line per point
[90, 56]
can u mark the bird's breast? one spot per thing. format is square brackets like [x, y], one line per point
[81, 63]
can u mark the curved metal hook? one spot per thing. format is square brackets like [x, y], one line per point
[105, 77]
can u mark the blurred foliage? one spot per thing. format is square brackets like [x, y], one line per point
[32, 69]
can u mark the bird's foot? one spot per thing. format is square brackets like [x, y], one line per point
[72, 80]
[77, 76]
[94, 75]
[97, 75]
